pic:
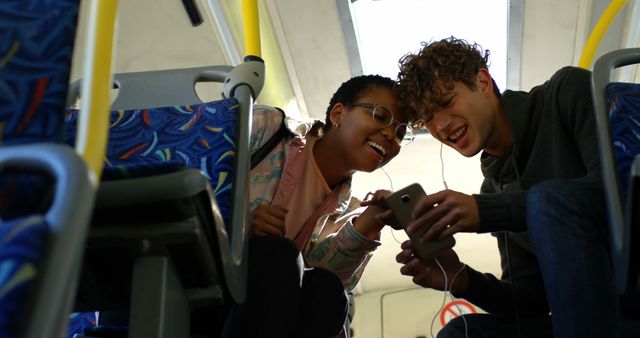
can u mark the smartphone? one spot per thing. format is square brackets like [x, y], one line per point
[402, 203]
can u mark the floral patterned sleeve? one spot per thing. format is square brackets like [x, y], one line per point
[338, 247]
[265, 176]
[265, 122]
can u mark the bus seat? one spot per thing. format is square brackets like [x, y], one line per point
[45, 190]
[154, 141]
[617, 109]
[179, 173]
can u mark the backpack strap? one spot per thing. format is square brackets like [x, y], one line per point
[268, 146]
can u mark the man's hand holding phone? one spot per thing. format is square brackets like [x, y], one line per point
[403, 205]
[444, 214]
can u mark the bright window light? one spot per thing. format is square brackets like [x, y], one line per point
[388, 29]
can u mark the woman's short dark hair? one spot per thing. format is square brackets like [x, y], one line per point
[353, 89]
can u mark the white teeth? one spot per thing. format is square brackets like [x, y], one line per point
[377, 146]
[457, 134]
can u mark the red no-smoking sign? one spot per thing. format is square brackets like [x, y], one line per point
[455, 309]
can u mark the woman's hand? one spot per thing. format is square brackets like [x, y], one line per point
[383, 214]
[428, 274]
[376, 198]
[268, 220]
[368, 224]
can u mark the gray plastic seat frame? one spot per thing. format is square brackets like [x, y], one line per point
[621, 218]
[68, 219]
[159, 304]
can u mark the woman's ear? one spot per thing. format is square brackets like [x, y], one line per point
[336, 114]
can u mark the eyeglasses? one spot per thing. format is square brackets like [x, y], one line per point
[383, 117]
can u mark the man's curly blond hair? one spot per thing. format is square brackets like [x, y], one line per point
[424, 77]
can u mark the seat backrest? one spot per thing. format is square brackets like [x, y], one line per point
[159, 124]
[36, 43]
[617, 109]
[212, 137]
[145, 142]
[45, 188]
[147, 139]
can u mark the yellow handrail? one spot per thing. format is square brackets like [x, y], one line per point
[598, 32]
[251, 27]
[96, 84]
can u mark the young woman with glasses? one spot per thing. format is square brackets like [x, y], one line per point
[307, 245]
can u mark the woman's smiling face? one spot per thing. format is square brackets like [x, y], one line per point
[368, 144]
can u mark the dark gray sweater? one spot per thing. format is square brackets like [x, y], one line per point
[554, 136]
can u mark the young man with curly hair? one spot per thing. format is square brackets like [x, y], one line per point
[542, 197]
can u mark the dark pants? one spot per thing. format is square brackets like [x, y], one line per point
[284, 299]
[490, 326]
[567, 226]
[568, 229]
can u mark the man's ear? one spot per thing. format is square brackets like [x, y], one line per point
[483, 81]
[336, 113]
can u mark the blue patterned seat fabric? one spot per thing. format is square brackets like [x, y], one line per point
[81, 321]
[624, 112]
[150, 141]
[36, 45]
[36, 40]
[22, 241]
